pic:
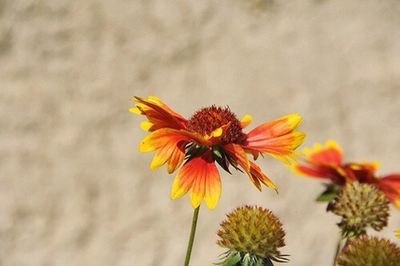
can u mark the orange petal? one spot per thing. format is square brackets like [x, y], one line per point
[328, 154]
[183, 181]
[257, 175]
[362, 172]
[158, 113]
[254, 172]
[310, 170]
[213, 189]
[170, 145]
[237, 153]
[201, 177]
[146, 125]
[161, 137]
[216, 135]
[275, 128]
[396, 203]
[282, 147]
[276, 137]
[397, 233]
[336, 174]
[393, 180]
[246, 120]
[177, 157]
[390, 185]
[198, 190]
[162, 155]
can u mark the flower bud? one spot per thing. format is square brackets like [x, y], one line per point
[367, 250]
[360, 206]
[253, 236]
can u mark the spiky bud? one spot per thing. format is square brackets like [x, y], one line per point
[253, 236]
[360, 206]
[367, 250]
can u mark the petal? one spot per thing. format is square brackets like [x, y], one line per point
[392, 180]
[336, 175]
[396, 203]
[177, 157]
[390, 185]
[183, 181]
[362, 172]
[135, 110]
[215, 135]
[275, 128]
[213, 187]
[397, 233]
[217, 132]
[198, 190]
[276, 137]
[310, 170]
[282, 147]
[170, 145]
[328, 154]
[158, 113]
[246, 120]
[257, 174]
[161, 137]
[201, 177]
[237, 153]
[146, 125]
[162, 155]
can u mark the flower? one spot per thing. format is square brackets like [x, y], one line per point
[397, 233]
[212, 135]
[326, 162]
[253, 235]
[360, 206]
[369, 251]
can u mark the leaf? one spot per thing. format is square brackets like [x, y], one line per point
[267, 262]
[233, 259]
[326, 196]
[229, 258]
[246, 260]
[329, 193]
[221, 158]
[194, 150]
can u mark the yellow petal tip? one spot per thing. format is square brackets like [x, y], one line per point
[135, 110]
[146, 125]
[246, 120]
[217, 132]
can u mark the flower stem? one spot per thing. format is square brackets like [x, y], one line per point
[339, 243]
[192, 234]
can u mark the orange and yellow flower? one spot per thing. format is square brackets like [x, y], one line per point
[326, 162]
[212, 135]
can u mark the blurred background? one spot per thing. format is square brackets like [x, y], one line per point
[74, 190]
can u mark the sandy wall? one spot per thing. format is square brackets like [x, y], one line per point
[74, 189]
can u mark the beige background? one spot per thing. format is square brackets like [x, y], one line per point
[74, 189]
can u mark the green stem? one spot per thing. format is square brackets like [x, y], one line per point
[339, 243]
[192, 234]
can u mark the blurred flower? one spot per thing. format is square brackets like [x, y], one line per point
[372, 251]
[253, 235]
[360, 206]
[397, 233]
[325, 162]
[212, 134]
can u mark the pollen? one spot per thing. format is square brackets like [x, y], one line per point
[207, 119]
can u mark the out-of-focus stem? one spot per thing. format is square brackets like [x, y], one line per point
[339, 244]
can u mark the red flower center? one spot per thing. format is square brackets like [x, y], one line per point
[207, 119]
